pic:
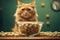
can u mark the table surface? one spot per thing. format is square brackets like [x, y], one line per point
[25, 37]
[39, 36]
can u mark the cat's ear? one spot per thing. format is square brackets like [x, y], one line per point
[19, 3]
[33, 3]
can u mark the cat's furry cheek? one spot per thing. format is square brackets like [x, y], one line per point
[17, 20]
[37, 15]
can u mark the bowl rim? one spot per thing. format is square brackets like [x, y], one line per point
[30, 22]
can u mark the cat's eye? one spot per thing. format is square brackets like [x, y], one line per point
[23, 9]
[28, 9]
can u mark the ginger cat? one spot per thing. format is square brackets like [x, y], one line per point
[25, 12]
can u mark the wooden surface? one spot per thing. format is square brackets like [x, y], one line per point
[41, 35]
[25, 37]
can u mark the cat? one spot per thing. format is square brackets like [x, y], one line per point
[25, 13]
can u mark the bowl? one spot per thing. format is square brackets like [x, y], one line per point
[29, 28]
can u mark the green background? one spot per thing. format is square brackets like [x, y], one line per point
[9, 8]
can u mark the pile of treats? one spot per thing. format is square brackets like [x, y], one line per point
[49, 34]
[9, 33]
[29, 29]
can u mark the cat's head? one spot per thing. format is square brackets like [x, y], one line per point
[26, 10]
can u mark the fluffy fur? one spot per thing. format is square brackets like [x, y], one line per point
[25, 12]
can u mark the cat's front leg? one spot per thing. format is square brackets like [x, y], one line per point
[15, 29]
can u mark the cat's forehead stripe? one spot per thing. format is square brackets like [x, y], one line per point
[26, 5]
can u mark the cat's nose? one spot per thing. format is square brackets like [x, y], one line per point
[25, 11]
